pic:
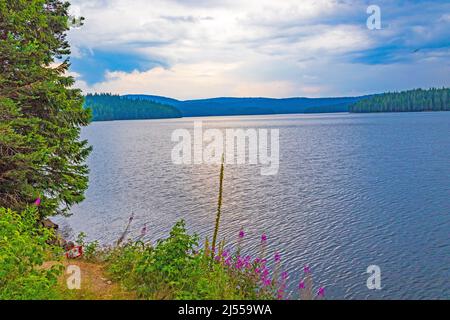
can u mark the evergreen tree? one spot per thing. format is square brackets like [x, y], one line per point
[406, 101]
[41, 155]
[107, 107]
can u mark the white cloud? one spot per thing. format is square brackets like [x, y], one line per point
[234, 47]
[190, 81]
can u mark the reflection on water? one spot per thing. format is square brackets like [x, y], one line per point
[352, 191]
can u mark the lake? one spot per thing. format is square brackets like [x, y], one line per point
[352, 190]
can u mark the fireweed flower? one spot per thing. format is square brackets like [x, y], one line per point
[301, 285]
[247, 263]
[265, 273]
[239, 242]
[239, 263]
[277, 257]
[284, 275]
[282, 287]
[280, 293]
[306, 269]
[321, 292]
[37, 202]
[265, 276]
[263, 238]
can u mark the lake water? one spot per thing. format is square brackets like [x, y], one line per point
[353, 190]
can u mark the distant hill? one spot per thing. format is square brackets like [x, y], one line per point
[141, 106]
[106, 107]
[253, 106]
[406, 101]
[158, 99]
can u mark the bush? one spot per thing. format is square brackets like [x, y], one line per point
[155, 272]
[24, 246]
[89, 248]
[174, 269]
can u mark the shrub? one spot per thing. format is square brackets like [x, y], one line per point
[155, 272]
[89, 248]
[24, 246]
[175, 269]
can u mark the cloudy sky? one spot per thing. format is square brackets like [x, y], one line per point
[274, 48]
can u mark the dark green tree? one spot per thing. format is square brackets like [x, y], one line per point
[406, 101]
[41, 154]
[106, 106]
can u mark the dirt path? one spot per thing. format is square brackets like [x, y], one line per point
[95, 284]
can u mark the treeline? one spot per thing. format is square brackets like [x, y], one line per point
[106, 107]
[406, 101]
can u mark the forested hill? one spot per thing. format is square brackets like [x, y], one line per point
[107, 107]
[114, 107]
[228, 106]
[405, 101]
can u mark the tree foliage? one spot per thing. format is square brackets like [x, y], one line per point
[106, 107]
[23, 249]
[406, 101]
[40, 115]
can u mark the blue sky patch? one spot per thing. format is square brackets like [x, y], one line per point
[93, 64]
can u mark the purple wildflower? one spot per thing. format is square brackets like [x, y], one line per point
[306, 269]
[37, 202]
[241, 234]
[277, 257]
[321, 292]
[247, 263]
[239, 263]
[284, 275]
[301, 285]
[280, 294]
[263, 238]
